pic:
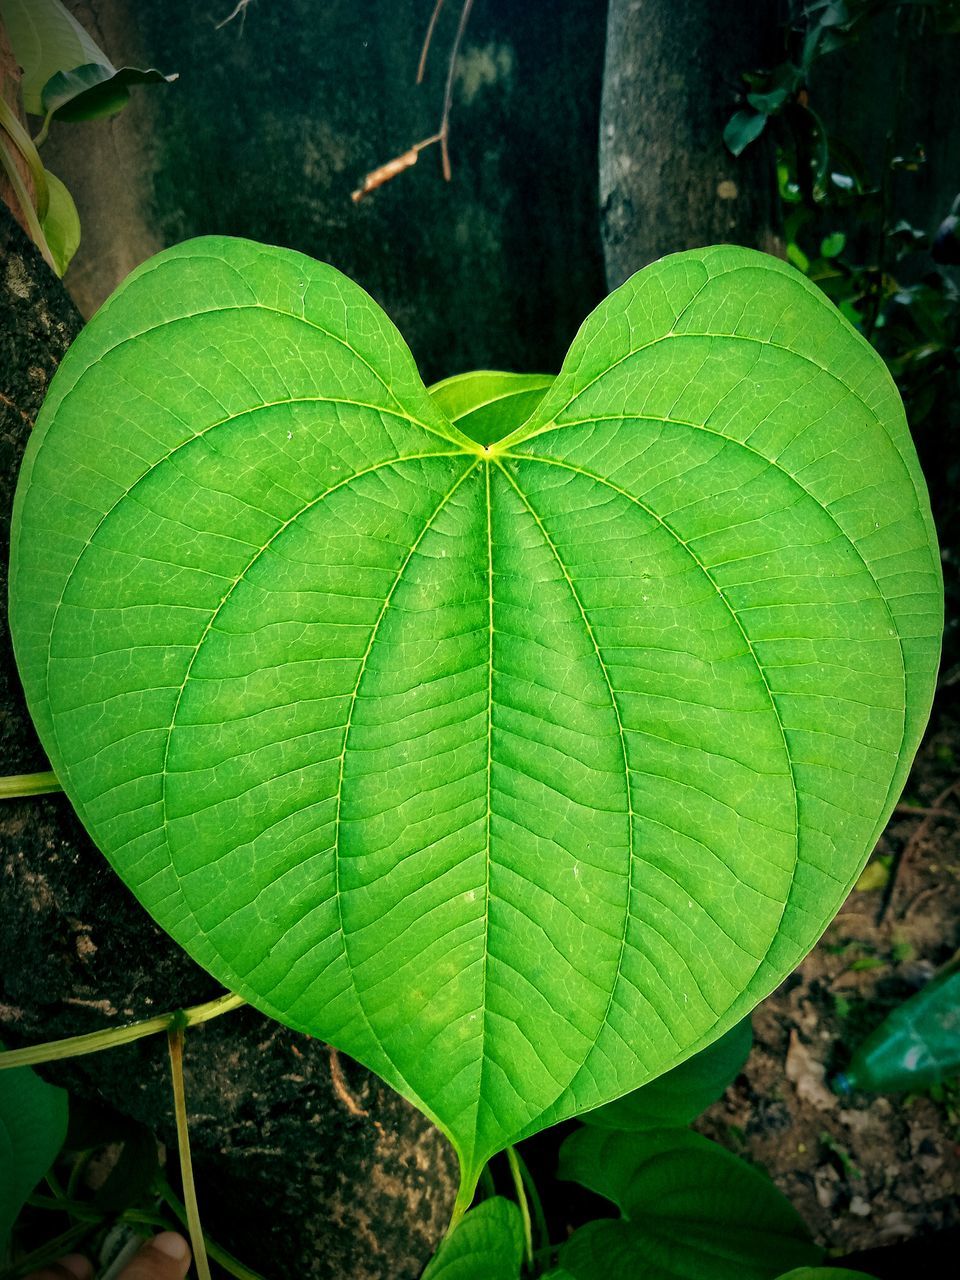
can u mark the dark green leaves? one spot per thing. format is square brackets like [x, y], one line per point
[520, 761]
[742, 128]
[691, 1211]
[94, 90]
[33, 1123]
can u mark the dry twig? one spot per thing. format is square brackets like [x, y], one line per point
[384, 172]
[919, 834]
[240, 11]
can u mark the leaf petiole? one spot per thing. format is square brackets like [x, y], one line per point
[514, 1162]
[175, 1046]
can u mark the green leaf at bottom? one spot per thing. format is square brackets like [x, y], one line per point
[692, 1211]
[33, 1124]
[486, 1244]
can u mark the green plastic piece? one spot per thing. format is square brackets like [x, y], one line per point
[915, 1047]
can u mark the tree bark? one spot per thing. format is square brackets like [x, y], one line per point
[306, 1164]
[667, 180]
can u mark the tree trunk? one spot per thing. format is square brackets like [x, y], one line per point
[306, 1164]
[667, 181]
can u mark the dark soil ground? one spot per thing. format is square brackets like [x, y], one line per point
[867, 1170]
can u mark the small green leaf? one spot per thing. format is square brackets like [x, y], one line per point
[833, 245]
[487, 405]
[33, 1123]
[61, 223]
[742, 128]
[679, 1096]
[797, 257]
[486, 1244]
[875, 875]
[96, 90]
[63, 65]
[690, 1209]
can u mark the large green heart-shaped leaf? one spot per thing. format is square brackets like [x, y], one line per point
[520, 769]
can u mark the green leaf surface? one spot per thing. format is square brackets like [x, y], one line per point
[676, 1098]
[64, 69]
[61, 223]
[521, 772]
[692, 1211]
[33, 1123]
[486, 1244]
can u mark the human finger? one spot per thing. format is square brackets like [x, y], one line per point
[72, 1267]
[166, 1257]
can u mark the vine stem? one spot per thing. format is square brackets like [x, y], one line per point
[17, 785]
[175, 1045]
[514, 1162]
[216, 1251]
[95, 1041]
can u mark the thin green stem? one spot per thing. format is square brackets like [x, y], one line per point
[533, 1195]
[77, 1172]
[16, 785]
[110, 1038]
[53, 1182]
[514, 1163]
[175, 1045]
[41, 137]
[75, 1208]
[88, 1212]
[216, 1251]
